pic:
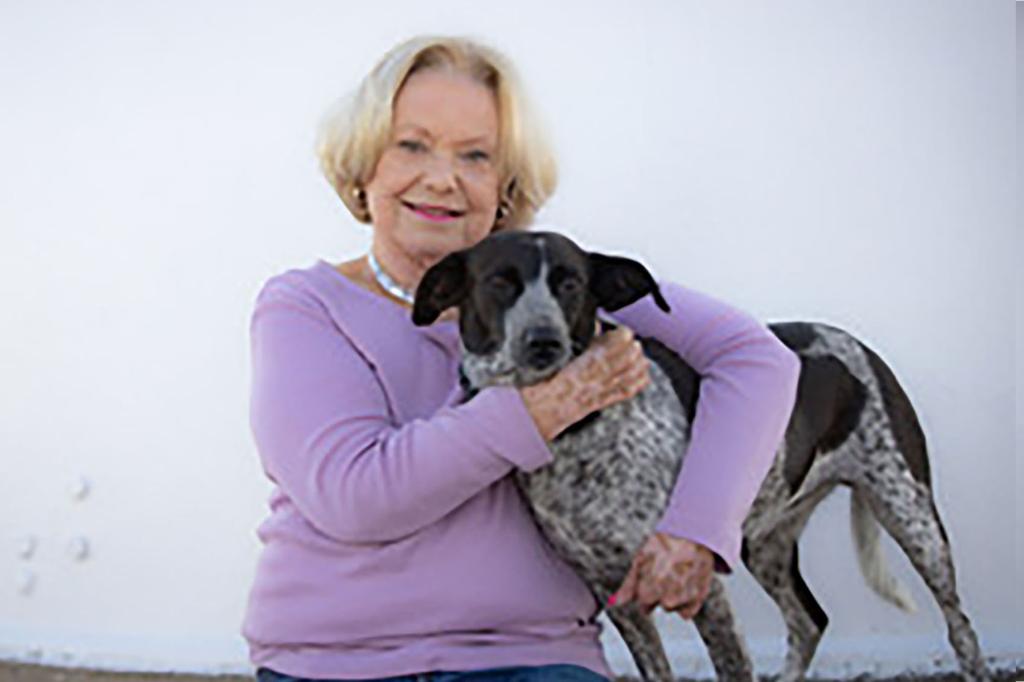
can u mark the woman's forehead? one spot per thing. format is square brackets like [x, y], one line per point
[448, 106]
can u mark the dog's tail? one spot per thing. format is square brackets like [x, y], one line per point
[869, 555]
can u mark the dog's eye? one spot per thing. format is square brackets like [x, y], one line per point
[570, 285]
[501, 286]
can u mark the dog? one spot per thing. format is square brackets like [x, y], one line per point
[528, 303]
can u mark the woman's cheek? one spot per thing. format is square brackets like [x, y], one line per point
[395, 175]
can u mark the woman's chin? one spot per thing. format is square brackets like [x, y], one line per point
[441, 239]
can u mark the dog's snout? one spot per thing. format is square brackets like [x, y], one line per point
[542, 340]
[543, 346]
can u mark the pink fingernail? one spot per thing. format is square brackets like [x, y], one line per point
[611, 600]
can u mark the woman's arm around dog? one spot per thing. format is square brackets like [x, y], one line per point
[747, 394]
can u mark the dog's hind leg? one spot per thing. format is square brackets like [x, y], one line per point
[908, 514]
[772, 558]
[721, 635]
[644, 642]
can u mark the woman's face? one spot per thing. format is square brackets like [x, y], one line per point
[435, 187]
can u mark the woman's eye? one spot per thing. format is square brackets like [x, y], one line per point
[476, 155]
[411, 145]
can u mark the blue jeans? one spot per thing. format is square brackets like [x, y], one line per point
[541, 673]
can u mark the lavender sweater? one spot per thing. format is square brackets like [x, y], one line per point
[396, 541]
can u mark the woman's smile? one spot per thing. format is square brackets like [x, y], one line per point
[433, 213]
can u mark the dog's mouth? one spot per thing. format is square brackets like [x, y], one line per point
[483, 371]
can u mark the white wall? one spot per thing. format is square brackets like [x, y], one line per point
[848, 162]
[1020, 295]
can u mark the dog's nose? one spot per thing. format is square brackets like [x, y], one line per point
[543, 346]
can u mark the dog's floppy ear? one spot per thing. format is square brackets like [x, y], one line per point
[444, 285]
[616, 282]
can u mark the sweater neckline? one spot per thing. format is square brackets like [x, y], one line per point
[443, 329]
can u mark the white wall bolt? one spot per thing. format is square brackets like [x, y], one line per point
[79, 488]
[26, 581]
[27, 546]
[78, 548]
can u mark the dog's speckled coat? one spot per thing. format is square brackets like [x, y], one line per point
[612, 473]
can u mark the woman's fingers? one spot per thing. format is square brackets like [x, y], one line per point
[648, 590]
[690, 609]
[613, 353]
[685, 599]
[636, 375]
[627, 591]
[628, 374]
[609, 355]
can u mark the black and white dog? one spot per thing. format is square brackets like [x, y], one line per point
[527, 305]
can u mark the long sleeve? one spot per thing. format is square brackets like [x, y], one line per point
[326, 436]
[747, 393]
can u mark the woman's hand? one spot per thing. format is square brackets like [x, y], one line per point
[670, 572]
[612, 369]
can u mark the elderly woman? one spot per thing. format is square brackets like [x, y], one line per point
[397, 545]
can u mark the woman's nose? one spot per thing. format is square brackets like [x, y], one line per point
[440, 175]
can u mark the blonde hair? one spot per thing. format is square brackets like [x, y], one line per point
[355, 132]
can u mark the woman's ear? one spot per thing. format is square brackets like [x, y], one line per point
[444, 285]
[615, 282]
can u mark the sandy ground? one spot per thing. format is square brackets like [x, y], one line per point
[21, 672]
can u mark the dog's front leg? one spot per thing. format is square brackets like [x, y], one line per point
[644, 642]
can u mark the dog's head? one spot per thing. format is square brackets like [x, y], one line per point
[527, 302]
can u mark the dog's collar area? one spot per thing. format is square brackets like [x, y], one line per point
[389, 285]
[469, 391]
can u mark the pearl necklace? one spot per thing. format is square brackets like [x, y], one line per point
[389, 285]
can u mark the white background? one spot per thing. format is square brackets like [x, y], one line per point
[850, 162]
